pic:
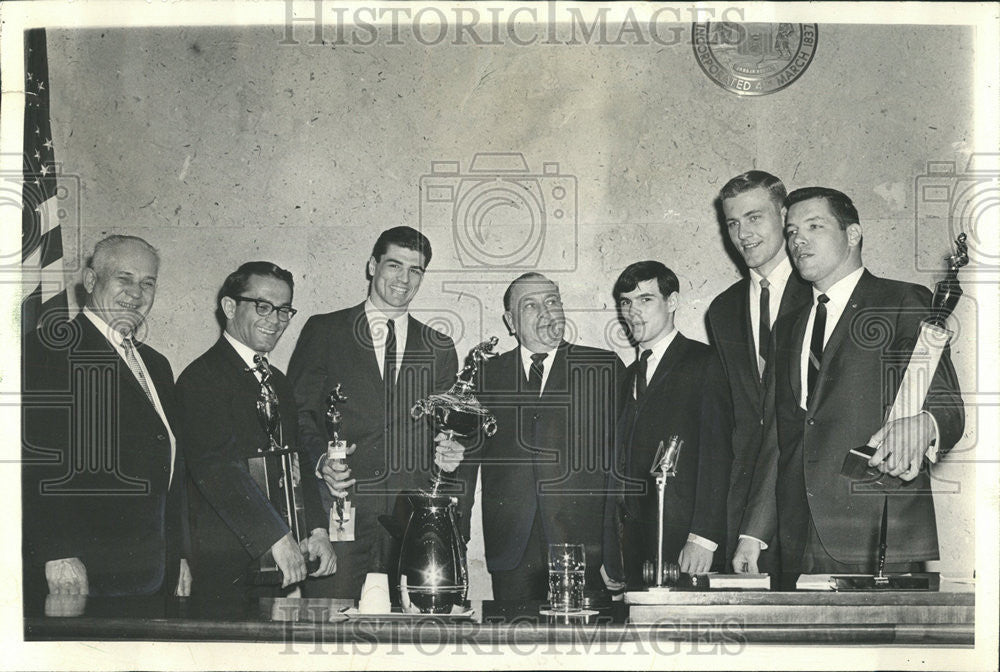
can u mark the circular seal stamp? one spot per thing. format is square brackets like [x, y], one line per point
[754, 59]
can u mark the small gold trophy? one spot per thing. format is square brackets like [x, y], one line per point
[342, 513]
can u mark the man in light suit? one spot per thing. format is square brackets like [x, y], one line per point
[233, 522]
[103, 497]
[674, 388]
[832, 375]
[385, 360]
[739, 324]
[545, 471]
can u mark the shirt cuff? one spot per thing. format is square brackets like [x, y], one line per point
[932, 450]
[707, 544]
[319, 466]
[763, 546]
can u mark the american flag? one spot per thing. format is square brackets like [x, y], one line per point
[41, 236]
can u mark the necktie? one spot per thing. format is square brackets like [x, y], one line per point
[133, 363]
[816, 344]
[640, 373]
[535, 372]
[389, 359]
[764, 326]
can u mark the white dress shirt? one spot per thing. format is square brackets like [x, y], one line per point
[115, 339]
[656, 355]
[550, 357]
[778, 280]
[377, 321]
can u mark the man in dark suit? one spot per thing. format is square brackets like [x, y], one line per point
[385, 360]
[739, 324]
[832, 375]
[233, 523]
[102, 478]
[674, 388]
[544, 473]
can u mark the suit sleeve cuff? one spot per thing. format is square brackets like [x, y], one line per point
[707, 544]
[763, 546]
[932, 450]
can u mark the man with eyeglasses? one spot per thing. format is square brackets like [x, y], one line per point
[233, 523]
[384, 359]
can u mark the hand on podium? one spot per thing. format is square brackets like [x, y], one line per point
[290, 560]
[66, 576]
[746, 556]
[695, 559]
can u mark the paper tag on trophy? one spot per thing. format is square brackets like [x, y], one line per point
[336, 450]
[342, 529]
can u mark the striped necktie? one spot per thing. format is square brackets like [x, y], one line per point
[132, 359]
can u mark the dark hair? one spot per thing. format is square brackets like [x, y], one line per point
[641, 271]
[403, 236]
[530, 275]
[236, 283]
[841, 206]
[752, 179]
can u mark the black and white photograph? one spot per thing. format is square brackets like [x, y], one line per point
[500, 335]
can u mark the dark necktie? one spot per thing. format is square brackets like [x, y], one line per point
[389, 360]
[535, 372]
[764, 325]
[640, 373]
[132, 359]
[816, 344]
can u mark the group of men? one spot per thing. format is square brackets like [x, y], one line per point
[134, 485]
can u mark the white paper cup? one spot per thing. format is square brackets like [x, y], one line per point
[375, 595]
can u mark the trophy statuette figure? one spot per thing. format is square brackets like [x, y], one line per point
[342, 513]
[432, 565]
[275, 469]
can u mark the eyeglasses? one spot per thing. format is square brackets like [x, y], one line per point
[265, 308]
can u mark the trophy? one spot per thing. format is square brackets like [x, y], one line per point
[931, 341]
[432, 566]
[275, 469]
[342, 514]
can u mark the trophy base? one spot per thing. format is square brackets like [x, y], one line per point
[918, 582]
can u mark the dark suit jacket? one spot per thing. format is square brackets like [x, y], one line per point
[96, 465]
[686, 396]
[551, 454]
[232, 521]
[798, 472]
[731, 333]
[394, 452]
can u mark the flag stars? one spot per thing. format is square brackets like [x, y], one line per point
[47, 144]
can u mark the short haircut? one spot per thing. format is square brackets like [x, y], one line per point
[841, 206]
[403, 236]
[524, 277]
[751, 180]
[105, 249]
[641, 271]
[236, 282]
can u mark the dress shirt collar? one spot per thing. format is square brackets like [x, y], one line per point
[840, 292]
[245, 352]
[113, 336]
[658, 349]
[546, 363]
[777, 279]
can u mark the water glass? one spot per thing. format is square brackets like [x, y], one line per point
[567, 569]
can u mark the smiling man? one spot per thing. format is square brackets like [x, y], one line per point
[103, 485]
[674, 388]
[829, 383]
[385, 360]
[233, 522]
[739, 322]
[544, 473]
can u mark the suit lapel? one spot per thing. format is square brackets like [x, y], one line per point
[674, 354]
[361, 336]
[841, 330]
[746, 335]
[795, 347]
